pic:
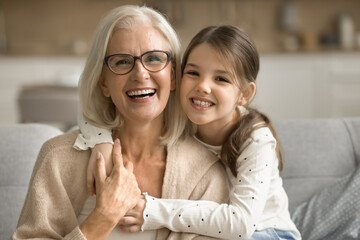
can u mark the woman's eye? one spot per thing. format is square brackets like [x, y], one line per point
[152, 59]
[122, 62]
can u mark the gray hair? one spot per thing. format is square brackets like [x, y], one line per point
[100, 110]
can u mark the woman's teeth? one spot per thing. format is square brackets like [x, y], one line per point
[202, 103]
[141, 93]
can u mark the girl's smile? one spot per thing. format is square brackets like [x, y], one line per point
[208, 93]
[201, 103]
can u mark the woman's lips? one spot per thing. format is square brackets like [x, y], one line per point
[141, 93]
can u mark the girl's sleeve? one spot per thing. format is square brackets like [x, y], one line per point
[236, 220]
[91, 135]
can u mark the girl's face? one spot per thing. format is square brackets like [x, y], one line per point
[208, 93]
[140, 95]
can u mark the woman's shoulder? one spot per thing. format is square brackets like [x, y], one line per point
[191, 166]
[63, 139]
[190, 158]
[61, 147]
[190, 147]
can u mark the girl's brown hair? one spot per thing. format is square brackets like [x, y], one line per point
[238, 49]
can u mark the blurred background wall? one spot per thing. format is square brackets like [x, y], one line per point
[48, 27]
[310, 51]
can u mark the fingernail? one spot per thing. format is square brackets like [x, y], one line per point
[117, 140]
[98, 155]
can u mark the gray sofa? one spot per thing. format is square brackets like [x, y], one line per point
[321, 158]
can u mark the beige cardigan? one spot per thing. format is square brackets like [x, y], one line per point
[57, 189]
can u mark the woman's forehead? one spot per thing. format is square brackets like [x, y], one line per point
[138, 39]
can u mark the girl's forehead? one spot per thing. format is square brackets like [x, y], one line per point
[210, 56]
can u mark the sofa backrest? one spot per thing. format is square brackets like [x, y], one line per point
[316, 153]
[19, 147]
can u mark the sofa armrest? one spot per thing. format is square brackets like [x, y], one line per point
[19, 147]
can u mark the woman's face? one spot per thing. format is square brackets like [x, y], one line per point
[140, 95]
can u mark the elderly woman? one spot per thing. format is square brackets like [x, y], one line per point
[128, 85]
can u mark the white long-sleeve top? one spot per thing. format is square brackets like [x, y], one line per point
[257, 199]
[91, 135]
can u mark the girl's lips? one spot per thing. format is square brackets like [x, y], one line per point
[201, 103]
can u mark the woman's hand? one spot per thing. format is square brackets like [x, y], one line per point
[115, 196]
[105, 149]
[133, 219]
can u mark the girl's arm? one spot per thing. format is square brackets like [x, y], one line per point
[91, 135]
[237, 220]
[100, 140]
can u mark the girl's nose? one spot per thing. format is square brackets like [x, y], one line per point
[203, 86]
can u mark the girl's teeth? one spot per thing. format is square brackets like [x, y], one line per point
[202, 103]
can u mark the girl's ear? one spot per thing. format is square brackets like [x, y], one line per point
[103, 86]
[247, 95]
[173, 79]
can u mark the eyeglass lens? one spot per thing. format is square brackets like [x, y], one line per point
[152, 61]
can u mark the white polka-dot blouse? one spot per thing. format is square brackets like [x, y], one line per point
[91, 135]
[257, 199]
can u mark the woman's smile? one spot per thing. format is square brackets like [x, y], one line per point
[143, 95]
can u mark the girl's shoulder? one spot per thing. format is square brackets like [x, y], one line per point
[259, 137]
[262, 134]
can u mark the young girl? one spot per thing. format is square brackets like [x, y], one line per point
[219, 70]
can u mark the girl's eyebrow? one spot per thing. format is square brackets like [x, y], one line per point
[192, 65]
[216, 71]
[222, 72]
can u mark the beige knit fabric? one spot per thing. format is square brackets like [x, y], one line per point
[57, 189]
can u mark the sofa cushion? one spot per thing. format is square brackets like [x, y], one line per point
[335, 211]
[19, 147]
[316, 154]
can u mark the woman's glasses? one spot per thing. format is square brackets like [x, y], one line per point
[153, 61]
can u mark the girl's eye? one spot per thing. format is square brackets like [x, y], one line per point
[222, 79]
[193, 73]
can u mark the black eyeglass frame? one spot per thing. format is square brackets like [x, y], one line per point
[106, 61]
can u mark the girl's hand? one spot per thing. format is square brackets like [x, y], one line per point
[133, 219]
[116, 195]
[105, 149]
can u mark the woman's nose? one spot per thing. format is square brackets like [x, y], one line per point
[139, 72]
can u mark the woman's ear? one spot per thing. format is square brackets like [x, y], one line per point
[247, 95]
[103, 86]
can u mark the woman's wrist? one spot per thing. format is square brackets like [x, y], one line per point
[97, 226]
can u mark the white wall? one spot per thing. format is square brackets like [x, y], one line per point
[294, 86]
[290, 86]
[16, 72]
